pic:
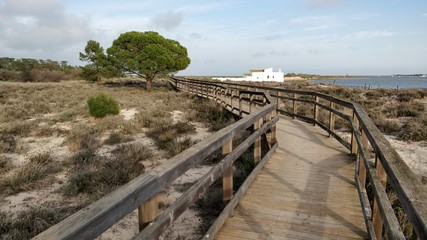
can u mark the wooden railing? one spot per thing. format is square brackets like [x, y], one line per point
[377, 166]
[142, 193]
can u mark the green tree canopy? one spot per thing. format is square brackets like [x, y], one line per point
[147, 54]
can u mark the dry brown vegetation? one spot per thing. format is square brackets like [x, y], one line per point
[51, 146]
[402, 113]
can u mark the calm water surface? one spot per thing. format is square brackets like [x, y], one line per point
[378, 82]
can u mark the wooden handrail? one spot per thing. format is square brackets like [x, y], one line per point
[389, 166]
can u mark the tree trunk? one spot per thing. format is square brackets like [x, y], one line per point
[149, 81]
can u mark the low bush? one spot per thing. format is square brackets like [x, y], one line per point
[97, 177]
[20, 127]
[116, 138]
[7, 143]
[21, 177]
[102, 105]
[409, 95]
[415, 130]
[211, 114]
[82, 136]
[32, 222]
[5, 164]
[177, 146]
[166, 135]
[384, 125]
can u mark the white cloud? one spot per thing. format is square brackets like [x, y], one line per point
[311, 20]
[323, 3]
[364, 35]
[168, 20]
[315, 23]
[40, 26]
[364, 16]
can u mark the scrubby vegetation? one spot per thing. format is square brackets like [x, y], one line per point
[32, 70]
[49, 144]
[102, 105]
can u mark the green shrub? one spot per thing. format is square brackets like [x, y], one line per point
[101, 105]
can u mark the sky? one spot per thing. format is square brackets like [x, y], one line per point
[230, 37]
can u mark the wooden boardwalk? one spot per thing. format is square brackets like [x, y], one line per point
[305, 191]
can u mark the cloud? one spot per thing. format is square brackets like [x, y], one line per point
[258, 54]
[425, 15]
[168, 20]
[40, 25]
[364, 35]
[323, 3]
[313, 51]
[364, 16]
[314, 23]
[272, 37]
[278, 53]
[195, 35]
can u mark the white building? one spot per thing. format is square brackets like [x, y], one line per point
[265, 75]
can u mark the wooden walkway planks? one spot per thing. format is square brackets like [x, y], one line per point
[305, 191]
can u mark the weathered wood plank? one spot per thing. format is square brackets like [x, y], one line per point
[305, 188]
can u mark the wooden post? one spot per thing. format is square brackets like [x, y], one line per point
[331, 117]
[257, 143]
[294, 105]
[353, 136]
[277, 95]
[227, 178]
[148, 211]
[273, 129]
[362, 167]
[268, 133]
[376, 215]
[231, 100]
[316, 110]
[240, 105]
[251, 100]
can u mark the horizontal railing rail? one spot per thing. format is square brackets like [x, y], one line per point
[378, 163]
[258, 113]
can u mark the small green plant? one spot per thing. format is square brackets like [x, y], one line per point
[102, 105]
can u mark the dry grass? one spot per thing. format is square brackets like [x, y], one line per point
[28, 224]
[26, 176]
[97, 176]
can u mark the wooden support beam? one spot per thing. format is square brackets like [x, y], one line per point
[148, 211]
[240, 105]
[316, 110]
[353, 137]
[257, 144]
[268, 133]
[362, 167]
[377, 218]
[294, 106]
[331, 118]
[227, 178]
[251, 101]
[273, 129]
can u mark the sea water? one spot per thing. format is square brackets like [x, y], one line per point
[392, 82]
